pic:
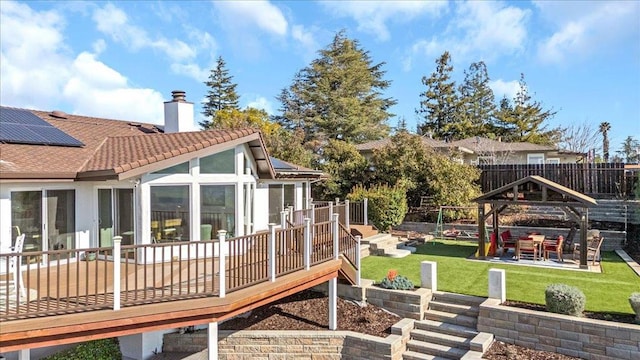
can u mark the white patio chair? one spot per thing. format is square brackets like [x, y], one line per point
[15, 282]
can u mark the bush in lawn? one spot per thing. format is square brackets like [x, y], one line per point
[634, 300]
[105, 349]
[387, 204]
[396, 282]
[564, 299]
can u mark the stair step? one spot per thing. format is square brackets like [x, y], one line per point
[435, 349]
[468, 310]
[396, 253]
[446, 328]
[451, 318]
[457, 298]
[441, 339]
[412, 355]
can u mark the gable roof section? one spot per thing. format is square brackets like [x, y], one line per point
[379, 144]
[115, 149]
[536, 190]
[482, 144]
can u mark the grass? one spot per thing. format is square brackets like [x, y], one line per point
[606, 292]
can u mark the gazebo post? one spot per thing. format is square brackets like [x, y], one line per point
[481, 231]
[583, 239]
[496, 229]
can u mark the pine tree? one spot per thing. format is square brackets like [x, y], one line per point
[338, 96]
[524, 119]
[439, 101]
[604, 129]
[630, 151]
[221, 95]
[476, 104]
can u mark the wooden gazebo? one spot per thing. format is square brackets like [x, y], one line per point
[534, 191]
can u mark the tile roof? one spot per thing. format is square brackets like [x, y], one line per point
[111, 147]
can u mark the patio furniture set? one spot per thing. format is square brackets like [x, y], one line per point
[539, 247]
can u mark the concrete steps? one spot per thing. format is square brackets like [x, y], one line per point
[448, 330]
[388, 245]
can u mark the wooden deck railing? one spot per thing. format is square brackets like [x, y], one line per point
[78, 280]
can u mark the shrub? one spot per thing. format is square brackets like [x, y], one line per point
[396, 282]
[564, 299]
[105, 349]
[387, 204]
[634, 300]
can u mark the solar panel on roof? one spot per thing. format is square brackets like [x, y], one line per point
[23, 127]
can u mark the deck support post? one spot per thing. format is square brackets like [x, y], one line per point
[333, 304]
[307, 243]
[346, 215]
[222, 235]
[212, 340]
[429, 275]
[24, 354]
[366, 212]
[272, 252]
[117, 241]
[358, 266]
[497, 285]
[336, 242]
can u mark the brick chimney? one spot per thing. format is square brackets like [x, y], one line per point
[178, 113]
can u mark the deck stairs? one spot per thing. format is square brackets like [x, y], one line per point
[387, 245]
[448, 330]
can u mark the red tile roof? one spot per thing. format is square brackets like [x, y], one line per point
[112, 147]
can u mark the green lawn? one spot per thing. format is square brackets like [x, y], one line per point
[605, 292]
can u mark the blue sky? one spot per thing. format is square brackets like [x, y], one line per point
[122, 59]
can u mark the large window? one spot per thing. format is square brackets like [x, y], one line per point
[217, 210]
[182, 168]
[220, 163]
[115, 216]
[280, 198]
[59, 210]
[535, 158]
[170, 213]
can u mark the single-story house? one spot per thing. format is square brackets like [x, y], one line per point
[70, 181]
[480, 150]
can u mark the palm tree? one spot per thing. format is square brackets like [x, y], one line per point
[604, 129]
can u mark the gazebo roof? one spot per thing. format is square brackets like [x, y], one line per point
[536, 190]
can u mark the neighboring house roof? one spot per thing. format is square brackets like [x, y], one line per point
[379, 144]
[481, 144]
[115, 149]
[287, 170]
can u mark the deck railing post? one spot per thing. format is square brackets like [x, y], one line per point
[272, 252]
[366, 213]
[346, 214]
[307, 243]
[330, 211]
[336, 242]
[222, 236]
[337, 201]
[358, 239]
[283, 219]
[117, 240]
[313, 220]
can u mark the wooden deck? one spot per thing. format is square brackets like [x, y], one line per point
[163, 286]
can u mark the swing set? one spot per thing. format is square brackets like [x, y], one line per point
[448, 231]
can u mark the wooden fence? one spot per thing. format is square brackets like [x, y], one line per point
[602, 180]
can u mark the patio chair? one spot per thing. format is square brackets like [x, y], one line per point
[526, 246]
[593, 249]
[554, 246]
[15, 263]
[508, 242]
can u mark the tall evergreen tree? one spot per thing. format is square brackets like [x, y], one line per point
[338, 96]
[630, 151]
[476, 105]
[221, 94]
[524, 119]
[604, 129]
[439, 100]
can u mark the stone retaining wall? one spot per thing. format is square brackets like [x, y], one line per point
[299, 345]
[613, 240]
[569, 335]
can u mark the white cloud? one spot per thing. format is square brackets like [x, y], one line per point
[306, 39]
[81, 84]
[260, 102]
[263, 14]
[372, 16]
[503, 88]
[478, 30]
[586, 27]
[98, 90]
